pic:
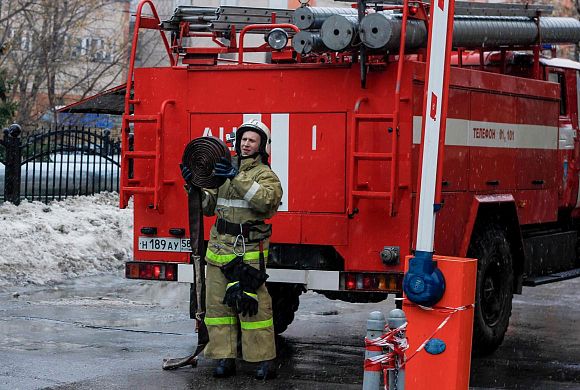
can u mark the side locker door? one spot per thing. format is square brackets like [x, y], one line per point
[317, 168]
[567, 181]
[573, 179]
[570, 142]
[491, 160]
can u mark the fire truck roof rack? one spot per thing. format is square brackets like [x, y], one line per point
[222, 19]
[484, 9]
[199, 18]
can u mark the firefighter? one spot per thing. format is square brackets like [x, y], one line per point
[236, 296]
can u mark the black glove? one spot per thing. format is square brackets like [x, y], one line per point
[224, 168]
[249, 304]
[233, 295]
[252, 278]
[186, 173]
[233, 270]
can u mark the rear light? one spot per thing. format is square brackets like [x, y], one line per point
[170, 274]
[382, 282]
[131, 271]
[151, 271]
[145, 271]
[350, 281]
[359, 282]
[370, 281]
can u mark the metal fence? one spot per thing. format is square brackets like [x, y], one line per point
[54, 163]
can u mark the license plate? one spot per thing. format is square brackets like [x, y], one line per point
[164, 244]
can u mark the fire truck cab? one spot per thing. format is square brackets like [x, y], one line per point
[346, 135]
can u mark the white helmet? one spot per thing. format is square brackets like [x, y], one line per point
[260, 128]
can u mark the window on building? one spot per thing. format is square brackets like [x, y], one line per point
[99, 51]
[21, 39]
[26, 41]
[95, 48]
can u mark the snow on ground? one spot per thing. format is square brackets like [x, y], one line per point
[42, 244]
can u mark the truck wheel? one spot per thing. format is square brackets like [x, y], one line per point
[285, 301]
[494, 289]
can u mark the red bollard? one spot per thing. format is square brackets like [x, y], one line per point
[450, 322]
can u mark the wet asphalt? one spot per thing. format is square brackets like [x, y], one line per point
[106, 332]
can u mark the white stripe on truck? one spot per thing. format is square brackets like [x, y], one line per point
[312, 279]
[463, 132]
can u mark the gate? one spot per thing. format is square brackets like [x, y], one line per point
[51, 164]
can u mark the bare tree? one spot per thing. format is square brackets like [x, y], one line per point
[59, 51]
[13, 9]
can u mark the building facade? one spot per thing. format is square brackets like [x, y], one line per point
[56, 53]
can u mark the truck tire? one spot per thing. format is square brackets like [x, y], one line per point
[285, 302]
[494, 288]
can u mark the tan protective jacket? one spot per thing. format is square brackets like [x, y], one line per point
[252, 196]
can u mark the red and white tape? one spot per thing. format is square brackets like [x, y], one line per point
[395, 345]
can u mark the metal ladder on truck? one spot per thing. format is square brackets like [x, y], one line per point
[392, 124]
[129, 186]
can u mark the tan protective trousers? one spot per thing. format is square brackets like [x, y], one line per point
[223, 323]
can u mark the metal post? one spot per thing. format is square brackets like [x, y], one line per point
[375, 328]
[106, 146]
[361, 7]
[395, 320]
[424, 283]
[12, 164]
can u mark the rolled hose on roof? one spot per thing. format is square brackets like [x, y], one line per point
[200, 156]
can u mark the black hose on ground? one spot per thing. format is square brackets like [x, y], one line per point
[200, 156]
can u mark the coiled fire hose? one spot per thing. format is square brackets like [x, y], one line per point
[200, 156]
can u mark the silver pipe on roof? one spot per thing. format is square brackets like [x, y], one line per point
[194, 10]
[311, 18]
[340, 32]
[383, 31]
[306, 42]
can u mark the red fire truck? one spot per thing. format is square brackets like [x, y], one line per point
[346, 134]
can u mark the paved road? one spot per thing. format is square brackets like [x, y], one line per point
[110, 333]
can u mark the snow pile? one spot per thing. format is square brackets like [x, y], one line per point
[77, 236]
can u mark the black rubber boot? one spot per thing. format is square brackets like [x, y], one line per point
[266, 370]
[225, 368]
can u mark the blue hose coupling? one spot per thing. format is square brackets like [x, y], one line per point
[423, 283]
